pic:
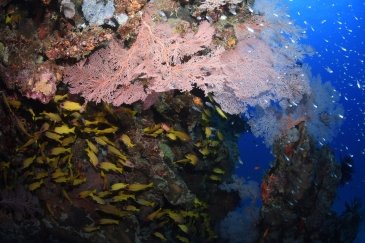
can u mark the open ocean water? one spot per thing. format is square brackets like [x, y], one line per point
[336, 31]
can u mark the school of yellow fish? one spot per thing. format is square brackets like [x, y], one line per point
[52, 153]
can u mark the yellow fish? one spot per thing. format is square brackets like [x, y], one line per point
[218, 170]
[102, 140]
[53, 136]
[183, 161]
[115, 151]
[64, 129]
[118, 186]
[138, 187]
[92, 157]
[208, 132]
[127, 141]
[41, 148]
[214, 143]
[108, 221]
[105, 178]
[155, 215]
[156, 133]
[151, 129]
[35, 185]
[210, 96]
[182, 239]
[41, 160]
[190, 214]
[96, 199]
[159, 235]
[89, 130]
[68, 140]
[178, 218]
[220, 112]
[192, 158]
[44, 127]
[90, 228]
[204, 118]
[107, 166]
[189, 158]
[181, 135]
[53, 162]
[27, 144]
[126, 163]
[85, 194]
[106, 130]
[71, 106]
[92, 146]
[58, 173]
[76, 115]
[171, 136]
[89, 123]
[103, 194]
[122, 197]
[199, 203]
[98, 120]
[220, 135]
[131, 208]
[215, 178]
[32, 113]
[204, 151]
[60, 150]
[65, 194]
[28, 161]
[51, 116]
[112, 210]
[183, 228]
[61, 180]
[78, 181]
[58, 98]
[144, 202]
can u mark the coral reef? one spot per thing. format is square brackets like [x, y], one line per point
[231, 57]
[147, 154]
[31, 41]
[76, 45]
[21, 67]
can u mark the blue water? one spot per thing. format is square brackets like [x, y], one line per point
[336, 30]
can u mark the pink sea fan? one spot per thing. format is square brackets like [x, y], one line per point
[155, 63]
[253, 73]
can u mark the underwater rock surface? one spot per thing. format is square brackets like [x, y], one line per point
[299, 191]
